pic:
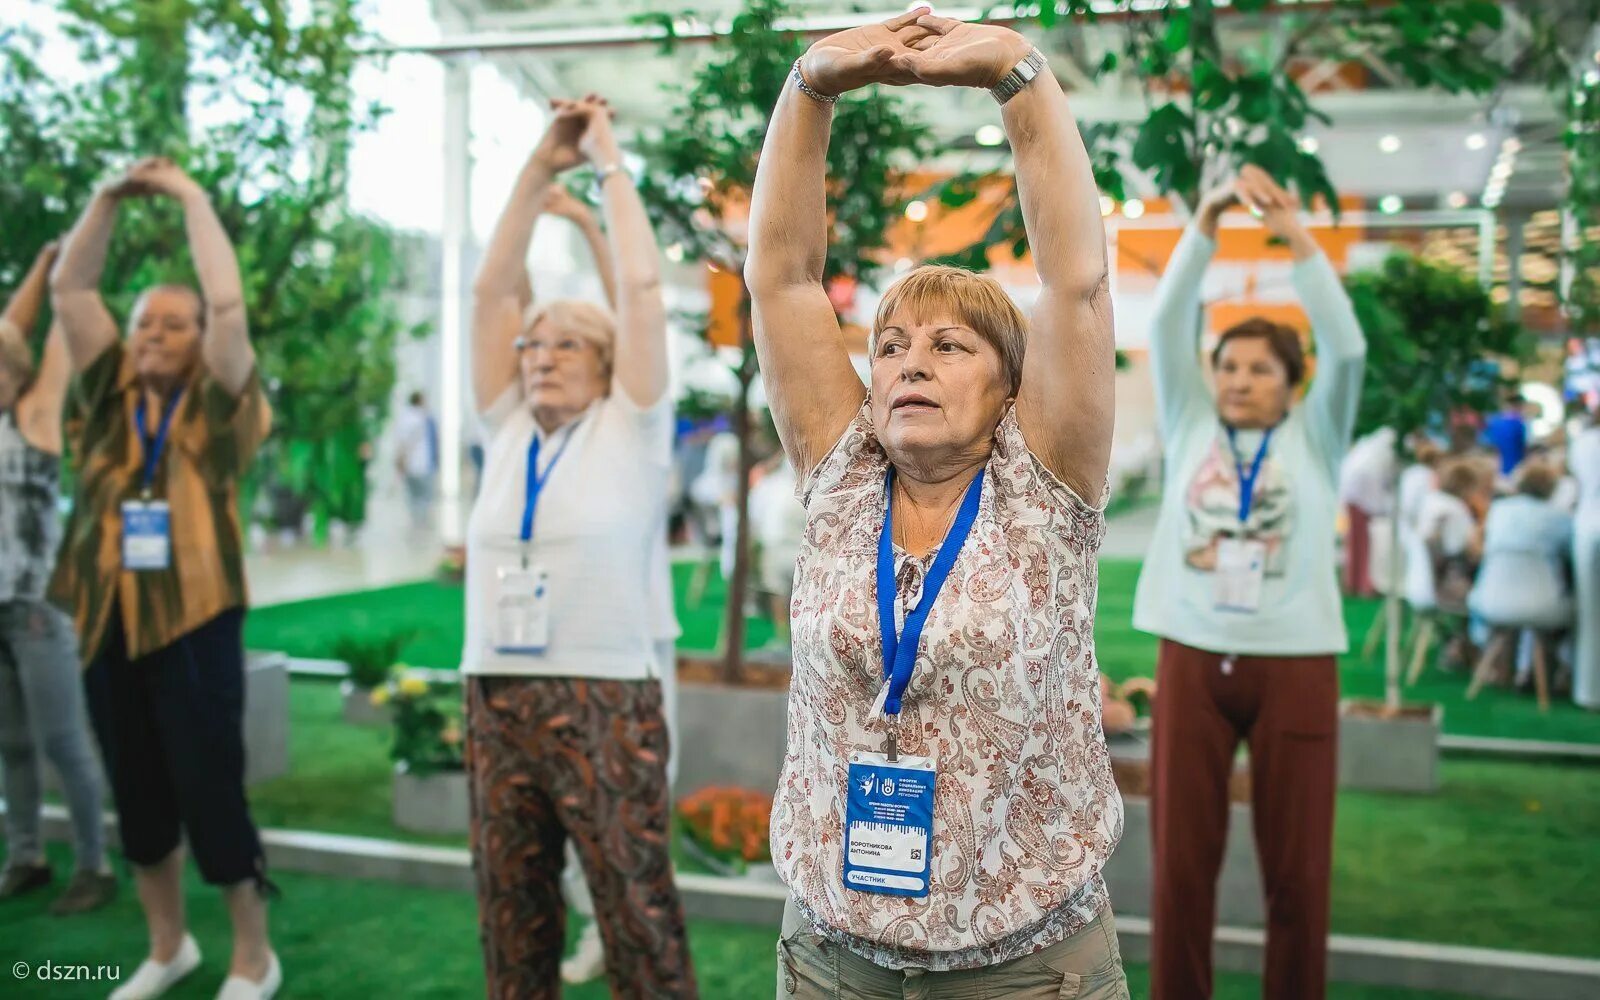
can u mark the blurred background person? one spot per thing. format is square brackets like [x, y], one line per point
[152, 568]
[1367, 490]
[1241, 585]
[1583, 461]
[562, 573]
[417, 458]
[41, 692]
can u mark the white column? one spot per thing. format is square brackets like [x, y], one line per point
[453, 318]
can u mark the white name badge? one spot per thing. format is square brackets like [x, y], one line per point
[522, 611]
[888, 825]
[146, 535]
[1241, 570]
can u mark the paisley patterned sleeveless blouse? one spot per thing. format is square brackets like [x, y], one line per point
[1005, 698]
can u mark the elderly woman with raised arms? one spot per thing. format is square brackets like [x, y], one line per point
[946, 803]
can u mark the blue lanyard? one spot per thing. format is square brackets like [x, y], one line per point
[536, 482]
[1247, 481]
[900, 650]
[154, 446]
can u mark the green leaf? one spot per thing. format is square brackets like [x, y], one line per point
[1212, 87]
[1176, 38]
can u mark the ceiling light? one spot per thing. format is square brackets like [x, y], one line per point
[1389, 204]
[1107, 205]
[917, 211]
[990, 135]
[1477, 140]
[1309, 144]
[1511, 145]
[1389, 143]
[1133, 208]
[1456, 199]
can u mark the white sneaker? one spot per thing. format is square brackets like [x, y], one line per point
[155, 978]
[588, 959]
[240, 988]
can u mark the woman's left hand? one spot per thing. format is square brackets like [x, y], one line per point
[598, 143]
[958, 54]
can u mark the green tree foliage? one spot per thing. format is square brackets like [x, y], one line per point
[1433, 340]
[1210, 110]
[702, 166]
[256, 105]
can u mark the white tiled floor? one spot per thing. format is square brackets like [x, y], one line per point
[386, 551]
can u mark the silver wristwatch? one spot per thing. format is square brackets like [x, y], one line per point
[1020, 76]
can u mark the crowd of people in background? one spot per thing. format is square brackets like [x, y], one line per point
[1494, 537]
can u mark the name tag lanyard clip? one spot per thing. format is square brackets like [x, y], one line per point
[154, 445]
[535, 486]
[900, 648]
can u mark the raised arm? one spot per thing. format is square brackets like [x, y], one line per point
[75, 283]
[641, 353]
[1341, 348]
[22, 312]
[812, 387]
[502, 292]
[560, 202]
[225, 348]
[39, 413]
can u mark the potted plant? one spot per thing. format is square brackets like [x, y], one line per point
[430, 778]
[370, 660]
[726, 829]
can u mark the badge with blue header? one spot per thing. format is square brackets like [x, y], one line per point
[888, 839]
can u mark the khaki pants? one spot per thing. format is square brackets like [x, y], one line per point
[1086, 966]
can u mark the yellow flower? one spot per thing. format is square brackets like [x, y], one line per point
[380, 696]
[413, 686]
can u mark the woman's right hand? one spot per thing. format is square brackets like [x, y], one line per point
[558, 147]
[852, 59]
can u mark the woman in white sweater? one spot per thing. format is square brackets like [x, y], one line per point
[1241, 585]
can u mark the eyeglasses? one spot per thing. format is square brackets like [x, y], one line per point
[565, 347]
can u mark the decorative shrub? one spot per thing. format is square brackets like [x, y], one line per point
[729, 823]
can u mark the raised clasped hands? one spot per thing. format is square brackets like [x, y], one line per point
[1254, 188]
[580, 132]
[560, 202]
[149, 177]
[915, 47]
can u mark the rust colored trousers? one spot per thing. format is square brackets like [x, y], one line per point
[1286, 709]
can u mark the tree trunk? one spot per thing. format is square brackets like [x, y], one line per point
[733, 628]
[1392, 607]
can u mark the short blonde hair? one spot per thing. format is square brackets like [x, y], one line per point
[584, 320]
[936, 291]
[1538, 479]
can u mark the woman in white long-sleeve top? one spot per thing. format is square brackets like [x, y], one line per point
[1241, 585]
[1583, 460]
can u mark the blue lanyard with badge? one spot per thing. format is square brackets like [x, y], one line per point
[888, 839]
[522, 593]
[1242, 560]
[147, 522]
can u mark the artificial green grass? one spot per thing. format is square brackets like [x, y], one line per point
[1502, 857]
[433, 611]
[340, 938]
[1496, 712]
